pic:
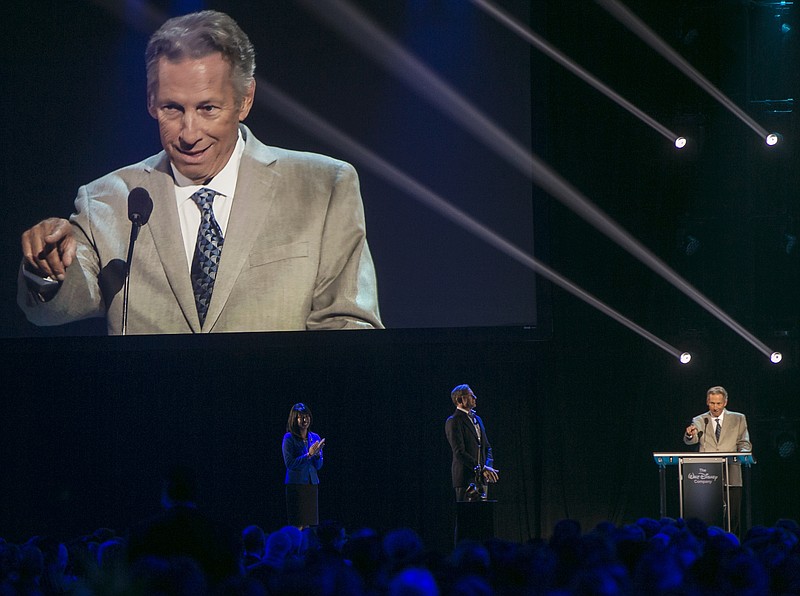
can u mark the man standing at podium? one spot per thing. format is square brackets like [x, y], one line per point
[721, 431]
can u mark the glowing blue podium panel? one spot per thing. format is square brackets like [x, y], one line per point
[702, 482]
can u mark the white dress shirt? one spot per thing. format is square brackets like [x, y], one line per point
[223, 183]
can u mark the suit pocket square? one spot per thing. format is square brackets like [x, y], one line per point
[272, 254]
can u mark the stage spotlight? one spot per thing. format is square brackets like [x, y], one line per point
[773, 139]
[686, 357]
[775, 357]
[689, 244]
[788, 243]
[680, 142]
[786, 444]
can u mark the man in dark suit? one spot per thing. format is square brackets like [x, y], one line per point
[242, 236]
[470, 444]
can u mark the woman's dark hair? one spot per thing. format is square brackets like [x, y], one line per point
[294, 414]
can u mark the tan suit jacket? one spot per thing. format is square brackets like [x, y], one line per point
[295, 254]
[734, 437]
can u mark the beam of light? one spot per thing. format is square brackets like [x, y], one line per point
[647, 35]
[547, 49]
[376, 44]
[271, 98]
[139, 15]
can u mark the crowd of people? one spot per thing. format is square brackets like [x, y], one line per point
[653, 557]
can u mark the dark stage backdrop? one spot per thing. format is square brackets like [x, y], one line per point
[87, 448]
[89, 425]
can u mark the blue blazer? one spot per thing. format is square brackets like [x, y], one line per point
[301, 469]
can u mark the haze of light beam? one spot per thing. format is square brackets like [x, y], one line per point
[547, 49]
[136, 14]
[647, 35]
[273, 99]
[376, 44]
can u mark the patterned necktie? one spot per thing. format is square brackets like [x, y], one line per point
[207, 252]
[718, 429]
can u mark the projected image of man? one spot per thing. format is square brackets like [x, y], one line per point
[242, 236]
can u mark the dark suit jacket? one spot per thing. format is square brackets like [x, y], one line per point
[468, 451]
[295, 255]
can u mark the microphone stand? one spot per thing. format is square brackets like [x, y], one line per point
[140, 206]
[136, 225]
[478, 480]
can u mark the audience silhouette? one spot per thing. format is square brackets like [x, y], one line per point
[181, 533]
[182, 552]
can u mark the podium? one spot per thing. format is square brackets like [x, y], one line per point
[474, 520]
[703, 487]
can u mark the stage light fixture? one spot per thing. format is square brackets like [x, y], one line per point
[787, 448]
[788, 243]
[785, 443]
[686, 357]
[775, 357]
[690, 244]
[680, 142]
[773, 139]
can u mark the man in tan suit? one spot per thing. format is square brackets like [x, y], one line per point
[721, 431]
[292, 250]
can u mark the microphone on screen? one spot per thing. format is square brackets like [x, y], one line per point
[140, 206]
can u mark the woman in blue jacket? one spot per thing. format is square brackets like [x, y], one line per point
[302, 454]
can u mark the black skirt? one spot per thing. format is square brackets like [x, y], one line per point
[301, 504]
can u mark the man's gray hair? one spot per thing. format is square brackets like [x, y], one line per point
[197, 35]
[717, 390]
